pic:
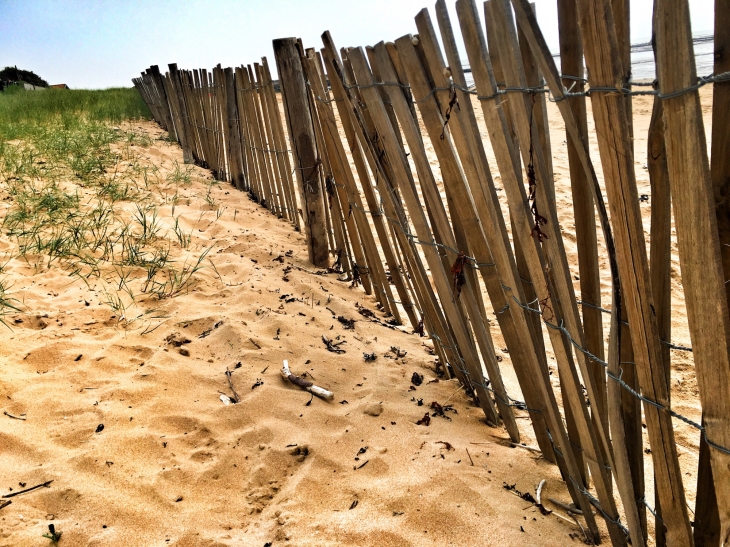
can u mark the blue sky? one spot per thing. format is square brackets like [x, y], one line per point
[103, 43]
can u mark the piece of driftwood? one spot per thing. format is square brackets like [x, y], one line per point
[306, 385]
[538, 492]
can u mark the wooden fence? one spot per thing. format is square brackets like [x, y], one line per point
[350, 165]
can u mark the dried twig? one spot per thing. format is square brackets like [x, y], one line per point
[44, 485]
[332, 346]
[305, 384]
[531, 448]
[565, 506]
[5, 503]
[21, 417]
[229, 374]
[472, 461]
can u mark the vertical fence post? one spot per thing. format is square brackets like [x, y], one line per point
[306, 159]
[698, 242]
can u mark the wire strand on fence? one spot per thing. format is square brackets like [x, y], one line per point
[567, 93]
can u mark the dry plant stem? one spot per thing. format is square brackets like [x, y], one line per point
[306, 385]
[699, 245]
[36, 487]
[530, 448]
[21, 417]
[229, 376]
[538, 492]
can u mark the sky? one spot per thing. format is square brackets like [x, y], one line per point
[105, 43]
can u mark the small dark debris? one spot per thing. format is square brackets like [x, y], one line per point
[259, 382]
[78, 358]
[99, 428]
[344, 402]
[354, 504]
[426, 420]
[365, 312]
[439, 410]
[369, 357]
[334, 347]
[643, 198]
[417, 379]
[348, 324]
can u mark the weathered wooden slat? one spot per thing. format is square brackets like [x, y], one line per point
[698, 241]
[434, 319]
[707, 518]
[457, 192]
[327, 153]
[502, 144]
[281, 144]
[397, 161]
[354, 199]
[184, 131]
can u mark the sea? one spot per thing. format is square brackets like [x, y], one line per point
[642, 59]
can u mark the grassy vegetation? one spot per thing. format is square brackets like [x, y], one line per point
[22, 113]
[82, 198]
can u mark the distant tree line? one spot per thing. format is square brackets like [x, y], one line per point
[14, 74]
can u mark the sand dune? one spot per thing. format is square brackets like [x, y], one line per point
[174, 465]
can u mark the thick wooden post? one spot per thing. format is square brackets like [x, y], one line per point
[306, 159]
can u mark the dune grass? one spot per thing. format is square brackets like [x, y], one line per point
[81, 198]
[23, 112]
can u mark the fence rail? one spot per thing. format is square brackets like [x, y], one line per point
[349, 164]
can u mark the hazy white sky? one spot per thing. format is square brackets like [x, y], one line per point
[103, 43]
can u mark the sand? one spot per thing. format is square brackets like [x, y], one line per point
[175, 465]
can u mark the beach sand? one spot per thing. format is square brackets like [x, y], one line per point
[175, 465]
